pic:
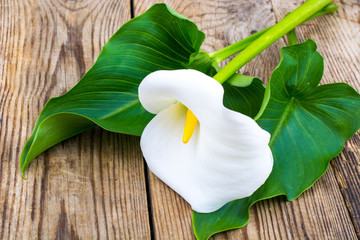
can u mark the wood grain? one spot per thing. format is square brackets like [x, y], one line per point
[95, 186]
[320, 213]
[88, 187]
[338, 41]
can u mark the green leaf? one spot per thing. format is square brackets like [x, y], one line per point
[309, 125]
[202, 62]
[244, 94]
[107, 94]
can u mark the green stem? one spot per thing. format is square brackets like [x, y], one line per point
[329, 9]
[291, 36]
[230, 50]
[256, 43]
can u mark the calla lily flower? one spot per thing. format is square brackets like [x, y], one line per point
[228, 156]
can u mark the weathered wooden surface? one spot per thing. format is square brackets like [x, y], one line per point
[95, 186]
[91, 186]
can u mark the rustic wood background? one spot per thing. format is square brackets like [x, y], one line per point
[96, 185]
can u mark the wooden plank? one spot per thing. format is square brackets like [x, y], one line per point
[338, 41]
[224, 22]
[91, 186]
[347, 165]
[320, 213]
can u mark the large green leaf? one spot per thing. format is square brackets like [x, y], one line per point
[107, 94]
[309, 125]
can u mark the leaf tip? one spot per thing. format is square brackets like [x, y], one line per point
[23, 171]
[23, 164]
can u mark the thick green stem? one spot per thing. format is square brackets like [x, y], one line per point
[293, 19]
[234, 48]
[329, 9]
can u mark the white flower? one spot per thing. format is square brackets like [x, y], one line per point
[228, 156]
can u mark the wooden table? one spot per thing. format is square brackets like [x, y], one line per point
[96, 185]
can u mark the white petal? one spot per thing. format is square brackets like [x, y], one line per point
[228, 156]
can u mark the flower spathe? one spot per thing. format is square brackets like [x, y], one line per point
[228, 156]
